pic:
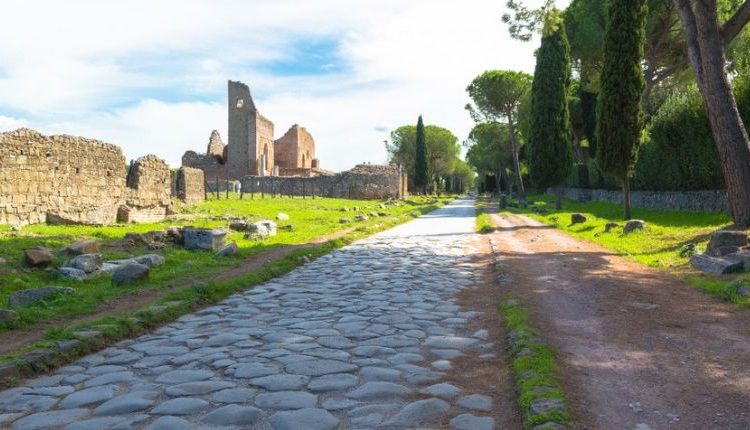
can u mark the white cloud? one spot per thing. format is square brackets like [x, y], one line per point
[151, 76]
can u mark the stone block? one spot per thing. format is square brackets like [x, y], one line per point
[261, 229]
[204, 239]
[129, 273]
[38, 257]
[88, 263]
[577, 218]
[725, 238]
[633, 225]
[228, 251]
[715, 265]
[83, 246]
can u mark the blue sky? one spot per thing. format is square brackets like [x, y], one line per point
[151, 76]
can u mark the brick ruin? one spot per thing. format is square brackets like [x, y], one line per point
[251, 149]
[365, 181]
[67, 179]
[189, 185]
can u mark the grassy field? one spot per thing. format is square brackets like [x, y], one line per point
[309, 219]
[666, 243]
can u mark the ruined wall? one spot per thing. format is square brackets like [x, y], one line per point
[295, 149]
[189, 185]
[264, 143]
[148, 194]
[688, 201]
[362, 182]
[67, 179]
[216, 147]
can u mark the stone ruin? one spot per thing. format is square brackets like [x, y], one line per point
[251, 149]
[75, 180]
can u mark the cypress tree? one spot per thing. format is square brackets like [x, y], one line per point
[420, 159]
[550, 149]
[619, 111]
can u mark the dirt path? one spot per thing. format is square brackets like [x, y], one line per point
[16, 339]
[637, 348]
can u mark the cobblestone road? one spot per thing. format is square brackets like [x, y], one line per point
[360, 338]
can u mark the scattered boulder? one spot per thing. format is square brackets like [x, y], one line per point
[7, 315]
[282, 216]
[715, 265]
[88, 263]
[261, 229]
[610, 226]
[344, 220]
[577, 218]
[228, 251]
[239, 225]
[32, 296]
[361, 217]
[72, 273]
[83, 246]
[743, 255]
[723, 242]
[129, 273]
[288, 227]
[150, 260]
[633, 225]
[38, 257]
[204, 239]
[174, 234]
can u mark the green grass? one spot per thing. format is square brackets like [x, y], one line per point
[664, 244]
[484, 224]
[309, 219]
[533, 366]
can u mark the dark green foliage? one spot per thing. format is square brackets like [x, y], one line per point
[619, 115]
[588, 111]
[549, 142]
[420, 158]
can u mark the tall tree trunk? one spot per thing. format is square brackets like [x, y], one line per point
[558, 197]
[706, 54]
[516, 162]
[626, 199]
[498, 181]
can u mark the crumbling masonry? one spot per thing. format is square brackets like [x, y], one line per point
[67, 179]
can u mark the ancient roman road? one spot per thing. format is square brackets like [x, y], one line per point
[361, 338]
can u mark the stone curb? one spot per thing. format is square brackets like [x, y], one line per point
[519, 344]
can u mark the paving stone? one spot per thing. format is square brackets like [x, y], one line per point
[380, 374]
[418, 412]
[234, 395]
[286, 400]
[95, 423]
[281, 382]
[335, 382]
[307, 418]
[44, 420]
[181, 376]
[253, 370]
[476, 401]
[233, 415]
[180, 406]
[338, 404]
[126, 403]
[379, 390]
[443, 390]
[170, 423]
[471, 422]
[197, 388]
[320, 367]
[89, 396]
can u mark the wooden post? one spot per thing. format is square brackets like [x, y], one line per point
[217, 188]
[242, 191]
[262, 187]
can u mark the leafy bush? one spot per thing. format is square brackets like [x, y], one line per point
[679, 153]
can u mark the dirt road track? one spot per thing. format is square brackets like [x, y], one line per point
[635, 346]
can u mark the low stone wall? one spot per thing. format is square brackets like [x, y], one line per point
[362, 182]
[67, 179]
[689, 201]
[189, 185]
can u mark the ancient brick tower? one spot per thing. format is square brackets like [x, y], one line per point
[250, 140]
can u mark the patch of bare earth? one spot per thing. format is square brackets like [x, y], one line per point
[635, 345]
[16, 339]
[491, 377]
